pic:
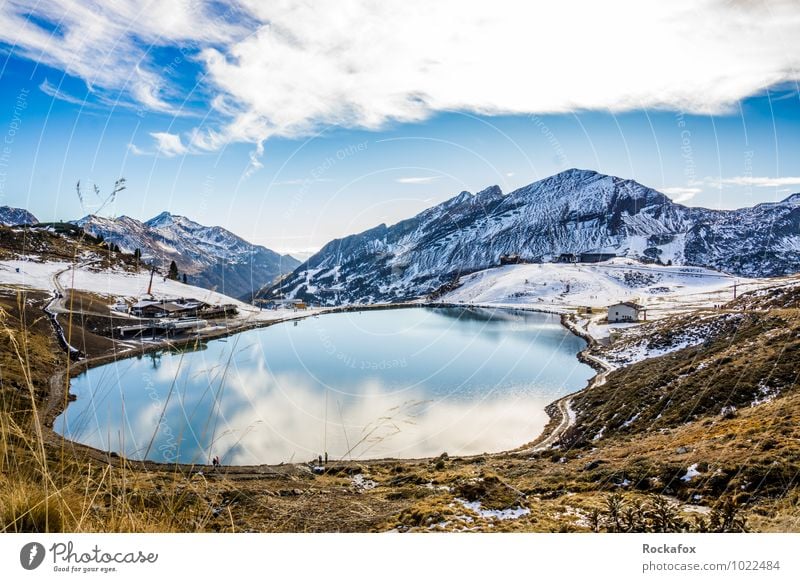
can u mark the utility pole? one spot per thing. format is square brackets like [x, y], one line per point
[150, 286]
[734, 289]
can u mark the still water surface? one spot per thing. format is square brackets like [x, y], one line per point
[391, 383]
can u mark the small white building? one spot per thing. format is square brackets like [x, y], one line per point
[625, 311]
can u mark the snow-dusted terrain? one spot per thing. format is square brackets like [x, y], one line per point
[211, 256]
[563, 287]
[595, 285]
[10, 216]
[574, 212]
[114, 283]
[120, 285]
[131, 286]
[30, 273]
[666, 337]
[663, 291]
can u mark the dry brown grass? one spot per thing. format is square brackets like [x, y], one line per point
[42, 489]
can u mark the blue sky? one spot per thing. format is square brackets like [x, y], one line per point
[295, 158]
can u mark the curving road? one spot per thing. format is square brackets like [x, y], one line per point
[564, 404]
[56, 306]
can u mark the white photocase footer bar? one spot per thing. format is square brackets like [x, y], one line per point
[349, 557]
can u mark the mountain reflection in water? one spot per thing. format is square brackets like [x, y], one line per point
[384, 383]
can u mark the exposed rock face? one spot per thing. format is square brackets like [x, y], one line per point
[16, 216]
[576, 211]
[211, 256]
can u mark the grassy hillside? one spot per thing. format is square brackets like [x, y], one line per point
[730, 406]
[60, 244]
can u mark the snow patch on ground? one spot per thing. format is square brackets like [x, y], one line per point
[765, 394]
[575, 515]
[362, 483]
[599, 330]
[691, 473]
[501, 514]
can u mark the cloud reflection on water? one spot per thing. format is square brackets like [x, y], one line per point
[469, 384]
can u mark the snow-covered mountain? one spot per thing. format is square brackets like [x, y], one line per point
[576, 211]
[211, 256]
[14, 216]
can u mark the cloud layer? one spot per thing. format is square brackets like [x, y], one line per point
[169, 144]
[286, 68]
[761, 181]
[416, 180]
[681, 194]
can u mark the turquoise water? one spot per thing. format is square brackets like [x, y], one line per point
[371, 384]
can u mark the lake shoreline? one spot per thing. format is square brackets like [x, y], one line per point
[59, 396]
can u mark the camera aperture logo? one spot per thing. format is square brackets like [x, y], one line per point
[31, 555]
[66, 558]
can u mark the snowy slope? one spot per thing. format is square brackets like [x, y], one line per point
[16, 216]
[572, 212]
[111, 282]
[563, 286]
[211, 256]
[123, 284]
[667, 336]
[30, 273]
[118, 284]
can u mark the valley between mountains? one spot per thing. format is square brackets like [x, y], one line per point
[690, 425]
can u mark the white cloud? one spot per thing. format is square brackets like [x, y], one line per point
[760, 181]
[299, 181]
[107, 44]
[48, 88]
[286, 68]
[307, 67]
[169, 144]
[416, 180]
[681, 194]
[136, 151]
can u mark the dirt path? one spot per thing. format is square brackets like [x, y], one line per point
[56, 306]
[563, 406]
[567, 420]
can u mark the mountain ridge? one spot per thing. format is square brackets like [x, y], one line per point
[575, 211]
[10, 216]
[211, 256]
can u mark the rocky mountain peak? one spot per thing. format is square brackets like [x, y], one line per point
[10, 216]
[210, 256]
[575, 211]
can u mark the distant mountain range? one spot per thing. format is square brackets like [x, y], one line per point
[211, 256]
[576, 211]
[16, 216]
